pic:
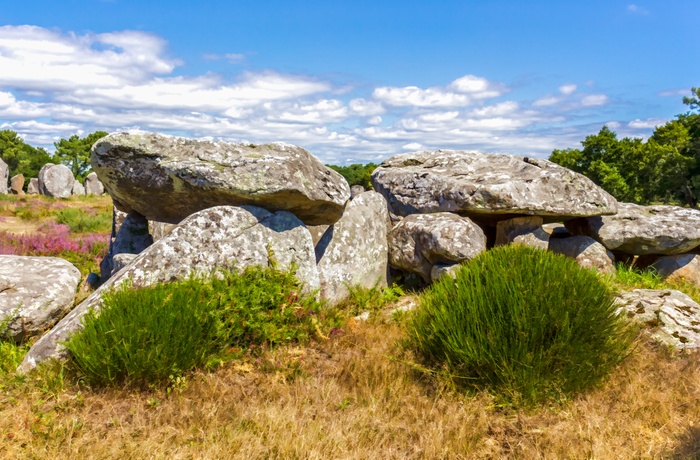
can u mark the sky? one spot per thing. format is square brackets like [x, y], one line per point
[353, 81]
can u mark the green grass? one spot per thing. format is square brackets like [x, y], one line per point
[151, 335]
[525, 324]
[372, 299]
[80, 221]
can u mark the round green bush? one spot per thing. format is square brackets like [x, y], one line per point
[525, 323]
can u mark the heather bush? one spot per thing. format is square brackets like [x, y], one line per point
[82, 221]
[524, 323]
[146, 336]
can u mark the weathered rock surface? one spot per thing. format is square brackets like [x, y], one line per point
[317, 232]
[354, 250]
[587, 252]
[483, 185]
[4, 175]
[440, 270]
[56, 181]
[93, 186]
[132, 237]
[168, 178]
[641, 230]
[35, 292]
[522, 230]
[216, 238]
[420, 241]
[356, 190]
[121, 260]
[33, 186]
[674, 317]
[17, 184]
[681, 267]
[78, 188]
[159, 229]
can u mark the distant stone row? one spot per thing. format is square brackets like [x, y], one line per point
[56, 181]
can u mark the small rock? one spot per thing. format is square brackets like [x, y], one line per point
[33, 186]
[17, 185]
[587, 252]
[522, 230]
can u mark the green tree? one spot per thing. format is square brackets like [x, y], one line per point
[74, 152]
[356, 174]
[21, 158]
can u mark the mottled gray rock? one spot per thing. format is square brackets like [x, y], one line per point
[168, 178]
[35, 292]
[587, 252]
[641, 230]
[681, 267]
[487, 186]
[56, 181]
[17, 184]
[522, 230]
[216, 238]
[440, 270]
[4, 175]
[354, 251]
[159, 229]
[673, 316]
[93, 186]
[356, 190]
[556, 230]
[132, 237]
[78, 188]
[33, 186]
[420, 241]
[121, 260]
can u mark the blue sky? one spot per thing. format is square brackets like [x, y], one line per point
[353, 81]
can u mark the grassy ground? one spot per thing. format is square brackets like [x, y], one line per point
[355, 395]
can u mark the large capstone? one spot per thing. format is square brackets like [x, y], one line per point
[487, 186]
[641, 230]
[35, 292]
[224, 237]
[56, 181]
[167, 178]
[353, 251]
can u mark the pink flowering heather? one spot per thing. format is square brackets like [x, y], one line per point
[52, 239]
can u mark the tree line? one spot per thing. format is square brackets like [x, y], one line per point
[22, 158]
[663, 169]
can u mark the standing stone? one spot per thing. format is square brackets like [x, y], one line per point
[17, 185]
[486, 186]
[223, 237]
[132, 237]
[4, 174]
[33, 186]
[587, 252]
[354, 251]
[681, 267]
[522, 230]
[168, 178]
[56, 181]
[35, 292]
[93, 186]
[420, 241]
[78, 188]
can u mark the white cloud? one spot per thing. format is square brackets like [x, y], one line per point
[546, 101]
[594, 100]
[567, 89]
[649, 123]
[366, 108]
[412, 146]
[374, 120]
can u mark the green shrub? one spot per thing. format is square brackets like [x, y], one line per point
[80, 221]
[524, 323]
[146, 336]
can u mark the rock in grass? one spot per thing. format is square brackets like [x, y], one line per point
[17, 184]
[4, 176]
[33, 186]
[167, 178]
[587, 252]
[78, 188]
[35, 292]
[420, 241]
[681, 267]
[56, 181]
[642, 230]
[223, 237]
[487, 186]
[92, 185]
[674, 318]
[354, 251]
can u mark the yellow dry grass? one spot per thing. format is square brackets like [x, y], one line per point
[350, 398]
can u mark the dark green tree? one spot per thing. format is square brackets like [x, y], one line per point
[356, 174]
[21, 158]
[74, 152]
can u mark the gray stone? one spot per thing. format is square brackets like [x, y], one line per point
[587, 252]
[223, 237]
[440, 270]
[317, 232]
[353, 251]
[33, 186]
[487, 186]
[168, 178]
[121, 260]
[522, 230]
[159, 229]
[35, 292]
[56, 181]
[641, 230]
[78, 188]
[4, 175]
[93, 186]
[17, 184]
[132, 237]
[420, 241]
[681, 267]
[356, 190]
[673, 316]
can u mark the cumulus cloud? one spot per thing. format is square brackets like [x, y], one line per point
[594, 100]
[649, 123]
[567, 89]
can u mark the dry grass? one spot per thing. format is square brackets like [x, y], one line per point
[347, 398]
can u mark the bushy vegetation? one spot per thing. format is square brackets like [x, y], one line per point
[524, 323]
[82, 221]
[356, 174]
[146, 336]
